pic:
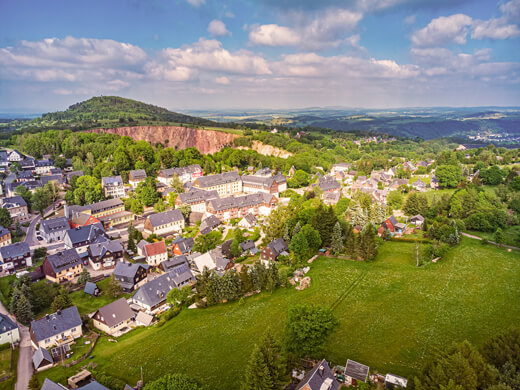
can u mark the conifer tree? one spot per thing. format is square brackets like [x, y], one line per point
[257, 372]
[350, 241]
[337, 239]
[33, 383]
[23, 310]
[17, 293]
[367, 248]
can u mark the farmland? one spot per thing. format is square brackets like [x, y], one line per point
[392, 316]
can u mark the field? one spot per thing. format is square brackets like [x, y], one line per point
[5, 367]
[392, 316]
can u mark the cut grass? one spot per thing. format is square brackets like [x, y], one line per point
[392, 316]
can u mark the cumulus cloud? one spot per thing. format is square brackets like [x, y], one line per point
[511, 11]
[196, 3]
[326, 29]
[494, 28]
[218, 28]
[443, 30]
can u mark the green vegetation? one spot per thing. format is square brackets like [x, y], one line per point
[392, 316]
[8, 366]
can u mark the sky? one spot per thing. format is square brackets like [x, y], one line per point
[260, 54]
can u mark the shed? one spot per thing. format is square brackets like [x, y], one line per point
[395, 382]
[91, 288]
[42, 359]
[355, 372]
[143, 319]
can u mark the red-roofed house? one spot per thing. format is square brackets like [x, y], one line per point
[155, 253]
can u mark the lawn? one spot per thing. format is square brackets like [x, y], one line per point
[87, 304]
[5, 368]
[392, 316]
[511, 235]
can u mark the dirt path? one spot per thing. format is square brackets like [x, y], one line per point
[490, 242]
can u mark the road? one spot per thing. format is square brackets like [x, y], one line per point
[25, 368]
[490, 242]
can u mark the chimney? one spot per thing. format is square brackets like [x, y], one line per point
[66, 210]
[321, 370]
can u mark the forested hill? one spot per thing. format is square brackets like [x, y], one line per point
[115, 108]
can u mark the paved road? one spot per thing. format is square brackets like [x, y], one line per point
[25, 368]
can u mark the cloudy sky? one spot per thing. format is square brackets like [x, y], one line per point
[216, 54]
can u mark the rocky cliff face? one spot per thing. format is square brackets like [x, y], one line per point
[206, 141]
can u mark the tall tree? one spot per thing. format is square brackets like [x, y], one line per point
[367, 247]
[337, 239]
[5, 218]
[23, 310]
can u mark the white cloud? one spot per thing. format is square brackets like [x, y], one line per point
[196, 3]
[218, 28]
[327, 29]
[222, 80]
[229, 14]
[494, 28]
[442, 30]
[511, 11]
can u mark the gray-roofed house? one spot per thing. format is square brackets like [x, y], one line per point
[152, 295]
[54, 229]
[212, 260]
[355, 372]
[9, 332]
[185, 174]
[136, 176]
[248, 222]
[94, 385]
[15, 256]
[42, 359]
[196, 198]
[419, 185]
[225, 184]
[273, 250]
[182, 246]
[70, 175]
[81, 237]
[114, 318]
[5, 236]
[62, 266]
[50, 385]
[14, 155]
[130, 276]
[208, 224]
[167, 222]
[320, 377]
[417, 220]
[17, 208]
[92, 289]
[43, 167]
[61, 327]
[249, 246]
[260, 203]
[328, 184]
[179, 269]
[113, 186]
[105, 254]
[58, 179]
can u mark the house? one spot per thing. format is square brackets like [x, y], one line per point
[179, 269]
[238, 207]
[251, 184]
[17, 208]
[96, 210]
[58, 328]
[417, 220]
[54, 229]
[28, 164]
[248, 222]
[5, 237]
[81, 237]
[395, 382]
[130, 276]
[185, 174]
[62, 266]
[113, 186]
[328, 184]
[212, 260]
[15, 256]
[419, 185]
[227, 183]
[273, 250]
[9, 332]
[331, 198]
[143, 319]
[292, 171]
[434, 182]
[340, 167]
[249, 246]
[43, 167]
[182, 246]
[57, 179]
[136, 176]
[14, 156]
[388, 224]
[152, 295]
[208, 224]
[196, 199]
[114, 317]
[165, 223]
[70, 175]
[42, 359]
[355, 372]
[24, 176]
[105, 254]
[92, 289]
[50, 385]
[320, 377]
[155, 253]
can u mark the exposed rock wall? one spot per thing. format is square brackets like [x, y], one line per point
[206, 141]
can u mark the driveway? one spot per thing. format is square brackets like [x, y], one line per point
[25, 367]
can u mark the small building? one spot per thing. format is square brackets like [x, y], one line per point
[143, 319]
[155, 253]
[62, 266]
[389, 224]
[114, 318]
[249, 246]
[5, 236]
[212, 260]
[43, 167]
[320, 377]
[58, 328]
[355, 372]
[248, 222]
[152, 295]
[179, 269]
[136, 176]
[130, 276]
[92, 289]
[417, 220]
[331, 198]
[113, 186]
[419, 185]
[208, 224]
[395, 382]
[434, 182]
[105, 254]
[50, 385]
[54, 229]
[182, 246]
[15, 256]
[42, 359]
[165, 223]
[17, 208]
[273, 250]
[9, 332]
[328, 184]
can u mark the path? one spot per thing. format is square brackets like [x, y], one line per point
[490, 242]
[25, 369]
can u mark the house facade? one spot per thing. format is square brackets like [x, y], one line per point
[59, 328]
[62, 266]
[113, 186]
[81, 237]
[17, 208]
[5, 236]
[167, 222]
[130, 276]
[273, 250]
[136, 176]
[185, 174]
[196, 199]
[54, 229]
[9, 332]
[105, 255]
[227, 183]
[155, 253]
[237, 207]
[15, 256]
[114, 317]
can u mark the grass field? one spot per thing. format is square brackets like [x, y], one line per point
[510, 235]
[5, 368]
[392, 316]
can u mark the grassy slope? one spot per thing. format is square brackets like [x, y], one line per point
[392, 316]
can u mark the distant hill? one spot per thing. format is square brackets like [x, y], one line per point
[118, 109]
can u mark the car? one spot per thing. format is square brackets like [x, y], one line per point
[39, 238]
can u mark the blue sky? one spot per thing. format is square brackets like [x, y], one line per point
[214, 54]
